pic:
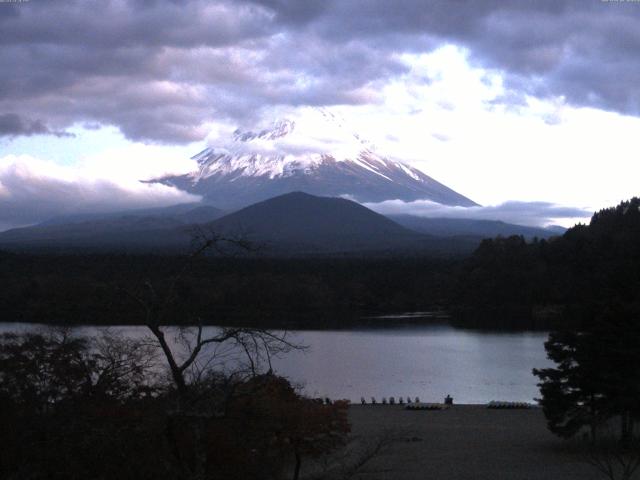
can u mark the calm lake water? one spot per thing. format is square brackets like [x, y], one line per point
[428, 361]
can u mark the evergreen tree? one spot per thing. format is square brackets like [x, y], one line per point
[596, 376]
[572, 397]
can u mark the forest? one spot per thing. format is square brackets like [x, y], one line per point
[506, 283]
[129, 407]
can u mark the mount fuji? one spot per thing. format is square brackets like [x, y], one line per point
[317, 155]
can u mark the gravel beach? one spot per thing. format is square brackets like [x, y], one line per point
[467, 442]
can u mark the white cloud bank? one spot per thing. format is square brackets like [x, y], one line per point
[32, 190]
[538, 214]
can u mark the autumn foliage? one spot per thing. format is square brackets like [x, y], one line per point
[67, 412]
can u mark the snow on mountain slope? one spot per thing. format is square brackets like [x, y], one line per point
[316, 154]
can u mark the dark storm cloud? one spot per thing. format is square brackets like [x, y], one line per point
[296, 13]
[121, 63]
[160, 70]
[12, 125]
[117, 24]
[584, 50]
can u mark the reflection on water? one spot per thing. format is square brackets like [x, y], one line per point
[429, 361]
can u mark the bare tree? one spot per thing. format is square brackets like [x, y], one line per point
[194, 357]
[259, 346]
[124, 366]
[613, 458]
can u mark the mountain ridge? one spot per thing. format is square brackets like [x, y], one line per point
[314, 223]
[320, 158]
[296, 223]
[446, 226]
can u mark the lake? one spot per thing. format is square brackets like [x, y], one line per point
[428, 361]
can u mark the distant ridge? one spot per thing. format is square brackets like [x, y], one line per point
[295, 223]
[448, 227]
[152, 228]
[195, 212]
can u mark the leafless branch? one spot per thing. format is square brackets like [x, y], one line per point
[259, 346]
[613, 458]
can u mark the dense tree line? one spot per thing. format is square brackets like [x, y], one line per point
[595, 382]
[84, 289]
[506, 282]
[577, 275]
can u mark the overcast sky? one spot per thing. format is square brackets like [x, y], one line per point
[509, 102]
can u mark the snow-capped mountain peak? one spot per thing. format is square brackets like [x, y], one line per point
[317, 154]
[278, 130]
[285, 148]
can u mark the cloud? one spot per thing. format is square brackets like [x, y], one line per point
[32, 190]
[311, 132]
[12, 125]
[164, 71]
[135, 65]
[582, 51]
[539, 214]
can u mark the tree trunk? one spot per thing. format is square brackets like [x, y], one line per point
[296, 472]
[200, 452]
[172, 440]
[594, 422]
[176, 372]
[626, 425]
